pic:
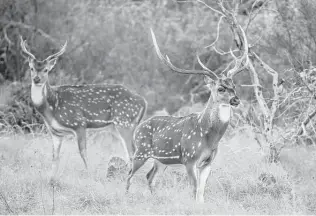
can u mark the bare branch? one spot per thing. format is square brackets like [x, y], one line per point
[305, 122]
[265, 65]
[290, 94]
[221, 52]
[217, 11]
[239, 61]
[23, 25]
[287, 108]
[256, 41]
[252, 15]
[217, 33]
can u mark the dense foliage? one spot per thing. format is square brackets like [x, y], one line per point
[109, 42]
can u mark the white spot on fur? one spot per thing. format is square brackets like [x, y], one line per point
[224, 112]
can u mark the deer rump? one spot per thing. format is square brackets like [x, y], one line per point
[174, 140]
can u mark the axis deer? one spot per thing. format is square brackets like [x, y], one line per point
[71, 109]
[190, 140]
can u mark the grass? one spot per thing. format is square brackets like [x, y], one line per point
[233, 186]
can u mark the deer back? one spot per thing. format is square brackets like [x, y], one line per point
[93, 106]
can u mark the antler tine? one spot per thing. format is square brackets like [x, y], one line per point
[168, 63]
[23, 43]
[204, 67]
[236, 69]
[61, 51]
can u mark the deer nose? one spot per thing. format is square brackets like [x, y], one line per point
[36, 80]
[234, 101]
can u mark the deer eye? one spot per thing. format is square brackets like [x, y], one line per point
[45, 70]
[221, 89]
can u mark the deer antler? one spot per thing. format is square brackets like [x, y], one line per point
[61, 51]
[204, 67]
[238, 61]
[167, 62]
[23, 46]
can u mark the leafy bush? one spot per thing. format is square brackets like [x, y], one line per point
[17, 112]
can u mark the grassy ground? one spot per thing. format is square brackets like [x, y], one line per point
[233, 186]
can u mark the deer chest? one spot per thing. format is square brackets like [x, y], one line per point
[56, 126]
[37, 95]
[224, 113]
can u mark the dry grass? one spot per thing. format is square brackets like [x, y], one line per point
[233, 187]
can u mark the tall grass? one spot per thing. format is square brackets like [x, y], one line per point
[233, 186]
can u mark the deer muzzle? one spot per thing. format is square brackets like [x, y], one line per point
[36, 80]
[234, 101]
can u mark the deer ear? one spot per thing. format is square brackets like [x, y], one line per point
[209, 81]
[30, 61]
[51, 63]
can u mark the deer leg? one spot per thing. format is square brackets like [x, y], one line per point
[204, 172]
[81, 139]
[192, 174]
[126, 135]
[57, 141]
[153, 173]
[136, 164]
[204, 169]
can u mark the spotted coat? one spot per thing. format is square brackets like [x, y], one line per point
[91, 106]
[180, 140]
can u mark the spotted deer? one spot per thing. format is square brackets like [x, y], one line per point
[72, 109]
[190, 140]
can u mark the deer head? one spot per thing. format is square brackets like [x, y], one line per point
[222, 91]
[222, 86]
[40, 69]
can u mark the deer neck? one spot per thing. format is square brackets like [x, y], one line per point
[43, 96]
[215, 116]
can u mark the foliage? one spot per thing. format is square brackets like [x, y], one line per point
[109, 42]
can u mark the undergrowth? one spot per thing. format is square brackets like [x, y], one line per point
[233, 186]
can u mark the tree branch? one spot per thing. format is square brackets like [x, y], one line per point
[305, 122]
[25, 26]
[217, 11]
